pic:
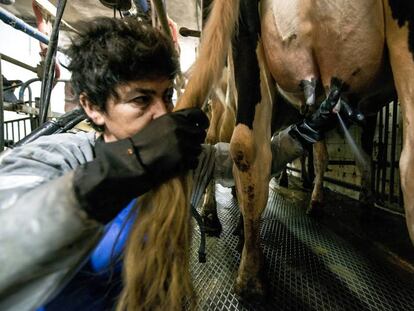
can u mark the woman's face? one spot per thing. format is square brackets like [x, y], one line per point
[138, 103]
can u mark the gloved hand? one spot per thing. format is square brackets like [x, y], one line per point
[312, 129]
[127, 168]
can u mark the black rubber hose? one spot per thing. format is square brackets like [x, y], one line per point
[49, 69]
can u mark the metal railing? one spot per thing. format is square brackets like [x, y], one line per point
[385, 161]
[15, 130]
[387, 150]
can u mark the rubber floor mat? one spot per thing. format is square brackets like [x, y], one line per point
[309, 267]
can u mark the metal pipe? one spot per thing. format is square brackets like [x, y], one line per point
[186, 32]
[380, 152]
[18, 63]
[1, 110]
[48, 74]
[401, 129]
[393, 147]
[19, 24]
[23, 88]
[162, 16]
[386, 130]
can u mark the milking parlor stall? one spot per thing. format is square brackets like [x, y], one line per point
[333, 232]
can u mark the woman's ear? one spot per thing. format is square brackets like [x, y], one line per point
[93, 111]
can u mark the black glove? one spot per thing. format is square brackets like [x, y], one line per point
[127, 168]
[324, 119]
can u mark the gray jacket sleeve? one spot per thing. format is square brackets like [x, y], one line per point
[44, 235]
[284, 149]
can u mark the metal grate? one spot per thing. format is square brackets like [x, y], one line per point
[309, 267]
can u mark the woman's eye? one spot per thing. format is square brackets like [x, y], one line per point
[141, 100]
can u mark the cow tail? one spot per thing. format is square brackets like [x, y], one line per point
[156, 261]
[215, 42]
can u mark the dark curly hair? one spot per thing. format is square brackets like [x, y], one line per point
[107, 52]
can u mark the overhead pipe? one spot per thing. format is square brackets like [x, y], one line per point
[19, 24]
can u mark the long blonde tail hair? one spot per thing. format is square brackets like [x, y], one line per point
[156, 263]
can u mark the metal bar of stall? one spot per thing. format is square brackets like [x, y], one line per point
[162, 16]
[1, 110]
[18, 129]
[379, 154]
[12, 132]
[386, 130]
[6, 129]
[401, 129]
[393, 148]
[18, 63]
[25, 127]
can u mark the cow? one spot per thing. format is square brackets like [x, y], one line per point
[308, 47]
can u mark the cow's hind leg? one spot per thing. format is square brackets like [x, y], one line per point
[399, 29]
[250, 150]
[320, 163]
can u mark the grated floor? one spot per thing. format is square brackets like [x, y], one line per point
[309, 266]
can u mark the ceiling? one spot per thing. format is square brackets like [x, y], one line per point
[183, 12]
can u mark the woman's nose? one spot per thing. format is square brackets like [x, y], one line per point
[159, 108]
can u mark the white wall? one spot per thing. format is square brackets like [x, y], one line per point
[24, 48]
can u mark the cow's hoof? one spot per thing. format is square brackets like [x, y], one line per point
[212, 225]
[315, 209]
[253, 290]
